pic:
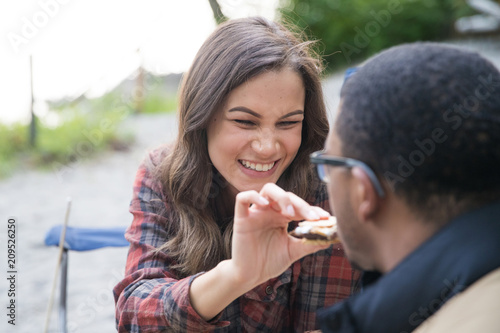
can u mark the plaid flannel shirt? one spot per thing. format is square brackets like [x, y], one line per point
[152, 299]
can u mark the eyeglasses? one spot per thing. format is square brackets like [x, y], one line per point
[322, 161]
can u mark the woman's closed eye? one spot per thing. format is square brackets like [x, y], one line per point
[244, 122]
[288, 123]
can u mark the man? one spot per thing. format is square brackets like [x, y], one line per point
[418, 202]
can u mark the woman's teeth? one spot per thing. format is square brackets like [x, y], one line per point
[257, 166]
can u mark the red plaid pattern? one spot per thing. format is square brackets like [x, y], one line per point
[152, 299]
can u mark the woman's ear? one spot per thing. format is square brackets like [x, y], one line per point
[368, 201]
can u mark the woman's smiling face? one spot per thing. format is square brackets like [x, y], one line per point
[257, 133]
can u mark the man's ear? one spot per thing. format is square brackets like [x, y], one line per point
[366, 195]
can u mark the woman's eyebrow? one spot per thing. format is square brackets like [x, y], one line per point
[293, 113]
[245, 109]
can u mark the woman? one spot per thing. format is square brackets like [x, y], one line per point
[251, 112]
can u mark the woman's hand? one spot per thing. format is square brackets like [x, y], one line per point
[262, 248]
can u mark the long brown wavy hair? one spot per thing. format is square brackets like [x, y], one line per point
[235, 52]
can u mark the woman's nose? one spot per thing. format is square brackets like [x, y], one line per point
[266, 144]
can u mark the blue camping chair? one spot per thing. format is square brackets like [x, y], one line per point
[80, 239]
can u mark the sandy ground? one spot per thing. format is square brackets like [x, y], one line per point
[100, 189]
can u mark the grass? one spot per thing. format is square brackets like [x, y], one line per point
[78, 136]
[12, 142]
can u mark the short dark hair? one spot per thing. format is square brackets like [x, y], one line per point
[426, 118]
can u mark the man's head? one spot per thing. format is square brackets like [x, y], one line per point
[426, 118]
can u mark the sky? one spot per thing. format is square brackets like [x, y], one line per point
[89, 46]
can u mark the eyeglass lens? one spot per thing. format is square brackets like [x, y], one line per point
[323, 172]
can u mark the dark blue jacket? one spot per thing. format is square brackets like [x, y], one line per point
[458, 255]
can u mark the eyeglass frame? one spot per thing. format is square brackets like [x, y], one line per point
[318, 158]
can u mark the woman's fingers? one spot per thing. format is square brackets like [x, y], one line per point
[286, 203]
[245, 199]
[279, 198]
[305, 211]
[323, 214]
[299, 249]
[290, 204]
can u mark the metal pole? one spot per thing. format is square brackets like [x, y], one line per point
[62, 294]
[32, 138]
[59, 262]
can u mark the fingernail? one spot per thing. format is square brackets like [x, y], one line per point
[290, 211]
[263, 201]
[312, 215]
[322, 213]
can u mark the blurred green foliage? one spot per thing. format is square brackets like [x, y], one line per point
[13, 139]
[67, 134]
[158, 103]
[351, 30]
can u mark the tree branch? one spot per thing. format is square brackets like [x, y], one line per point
[218, 15]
